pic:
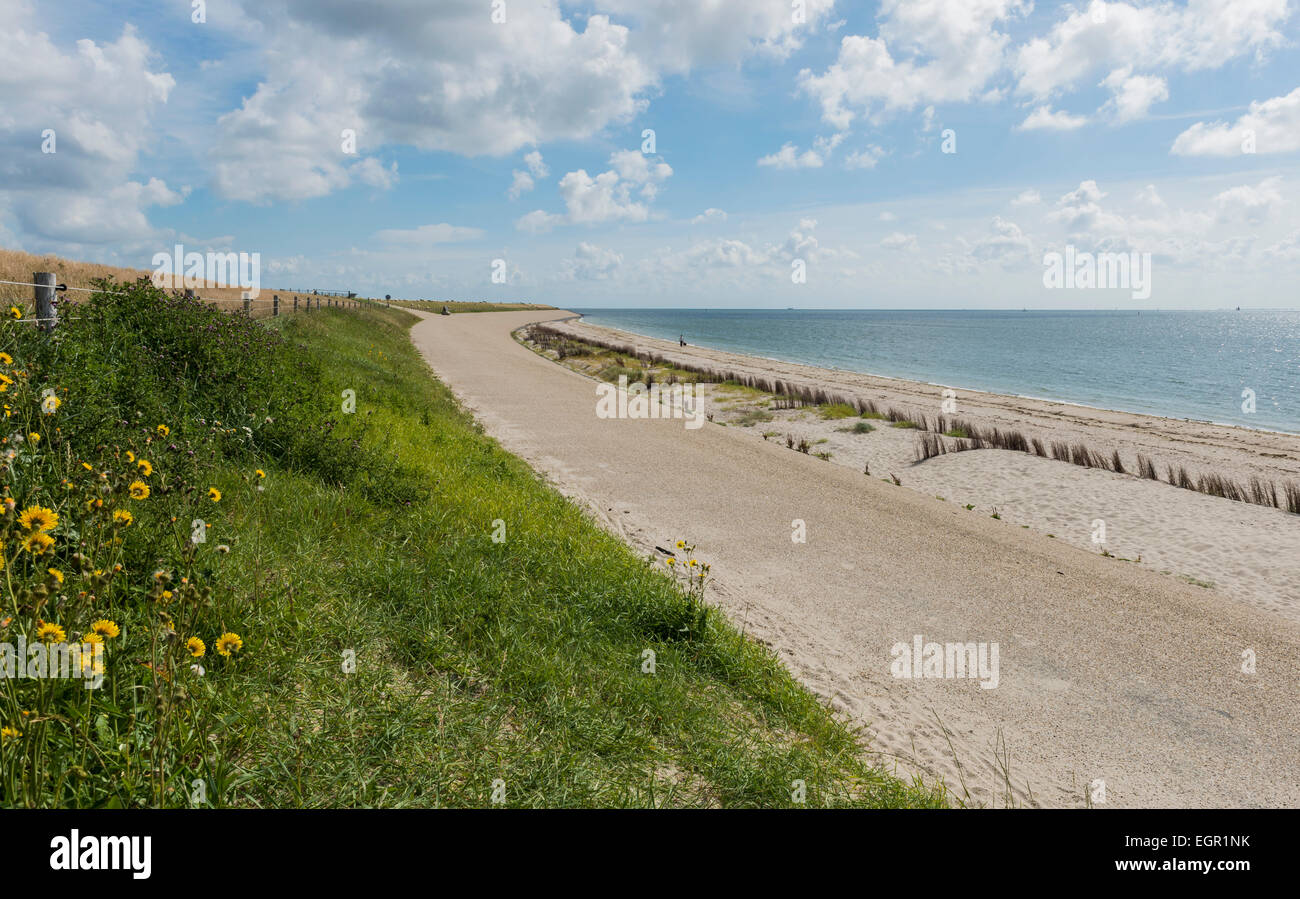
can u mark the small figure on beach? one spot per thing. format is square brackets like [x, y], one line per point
[681, 339]
[445, 311]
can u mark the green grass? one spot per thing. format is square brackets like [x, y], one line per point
[516, 663]
[859, 427]
[834, 411]
[904, 424]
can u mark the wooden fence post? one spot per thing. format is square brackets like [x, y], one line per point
[275, 304]
[295, 305]
[248, 304]
[47, 317]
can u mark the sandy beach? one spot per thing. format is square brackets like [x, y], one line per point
[1247, 552]
[1111, 672]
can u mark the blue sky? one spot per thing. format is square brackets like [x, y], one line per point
[786, 133]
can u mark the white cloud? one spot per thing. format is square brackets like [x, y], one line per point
[709, 215]
[1202, 34]
[522, 183]
[1005, 243]
[426, 235]
[1132, 94]
[1029, 197]
[1043, 119]
[900, 241]
[592, 263]
[102, 101]
[789, 157]
[1274, 124]
[535, 164]
[1249, 205]
[864, 159]
[942, 51]
[608, 197]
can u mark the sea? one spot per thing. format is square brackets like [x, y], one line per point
[1207, 365]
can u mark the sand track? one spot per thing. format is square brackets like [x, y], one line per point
[1106, 670]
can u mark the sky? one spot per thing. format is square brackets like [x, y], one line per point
[676, 153]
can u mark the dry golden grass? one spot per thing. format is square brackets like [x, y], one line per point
[16, 265]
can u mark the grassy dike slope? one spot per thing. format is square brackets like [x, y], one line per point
[480, 661]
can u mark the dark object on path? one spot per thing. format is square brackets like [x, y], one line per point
[446, 311]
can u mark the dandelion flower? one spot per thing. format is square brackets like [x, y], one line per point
[260, 474]
[197, 648]
[681, 544]
[670, 562]
[105, 628]
[123, 517]
[92, 637]
[51, 404]
[139, 490]
[34, 437]
[130, 456]
[47, 632]
[38, 518]
[228, 643]
[10, 733]
[693, 563]
[15, 312]
[163, 430]
[214, 494]
[37, 543]
[145, 468]
[87, 466]
[6, 359]
[56, 574]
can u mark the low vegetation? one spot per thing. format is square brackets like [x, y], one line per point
[317, 583]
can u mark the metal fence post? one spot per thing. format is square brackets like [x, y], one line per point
[47, 317]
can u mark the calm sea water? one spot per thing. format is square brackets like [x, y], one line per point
[1177, 364]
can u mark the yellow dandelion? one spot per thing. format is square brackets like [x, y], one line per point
[47, 632]
[56, 574]
[214, 494]
[38, 518]
[163, 430]
[51, 404]
[123, 517]
[692, 563]
[105, 628]
[34, 437]
[228, 643]
[37, 543]
[92, 637]
[260, 473]
[681, 544]
[197, 648]
[15, 312]
[670, 562]
[139, 490]
[145, 468]
[130, 456]
[6, 359]
[10, 733]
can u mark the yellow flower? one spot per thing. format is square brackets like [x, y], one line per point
[692, 563]
[87, 466]
[130, 456]
[58, 575]
[196, 647]
[15, 312]
[34, 437]
[50, 633]
[145, 468]
[50, 404]
[167, 594]
[37, 543]
[670, 562]
[105, 628]
[123, 517]
[10, 733]
[260, 473]
[139, 490]
[6, 359]
[38, 518]
[681, 544]
[163, 430]
[214, 494]
[92, 637]
[228, 643]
